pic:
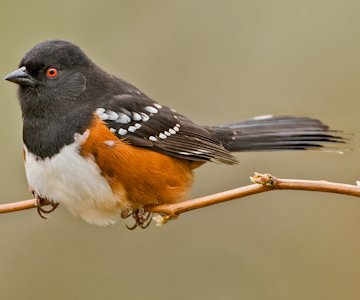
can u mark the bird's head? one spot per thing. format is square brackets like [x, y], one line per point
[50, 73]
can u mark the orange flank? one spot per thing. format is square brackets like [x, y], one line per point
[143, 177]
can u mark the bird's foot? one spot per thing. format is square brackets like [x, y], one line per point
[40, 202]
[142, 218]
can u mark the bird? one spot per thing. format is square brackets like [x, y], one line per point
[105, 150]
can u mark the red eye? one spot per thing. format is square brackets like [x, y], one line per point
[51, 72]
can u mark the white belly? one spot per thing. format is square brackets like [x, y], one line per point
[76, 182]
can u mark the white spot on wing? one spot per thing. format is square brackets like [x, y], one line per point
[162, 136]
[151, 109]
[99, 111]
[112, 115]
[122, 131]
[172, 131]
[157, 105]
[136, 116]
[185, 153]
[137, 125]
[167, 133]
[132, 128]
[104, 116]
[152, 138]
[145, 117]
[112, 130]
[123, 119]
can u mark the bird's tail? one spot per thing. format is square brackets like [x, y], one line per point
[268, 133]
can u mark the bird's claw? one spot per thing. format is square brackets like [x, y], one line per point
[142, 219]
[43, 213]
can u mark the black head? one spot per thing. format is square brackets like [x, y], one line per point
[59, 91]
[57, 87]
[54, 53]
[61, 55]
[51, 74]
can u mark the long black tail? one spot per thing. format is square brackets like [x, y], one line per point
[268, 133]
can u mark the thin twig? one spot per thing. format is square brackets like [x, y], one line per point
[262, 183]
[16, 206]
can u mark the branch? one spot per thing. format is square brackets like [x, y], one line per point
[262, 183]
[16, 206]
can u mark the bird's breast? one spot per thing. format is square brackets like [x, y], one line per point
[98, 175]
[76, 182]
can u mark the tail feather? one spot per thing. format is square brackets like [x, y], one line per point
[268, 133]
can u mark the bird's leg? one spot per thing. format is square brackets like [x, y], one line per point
[42, 202]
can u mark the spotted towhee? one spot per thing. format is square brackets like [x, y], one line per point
[102, 148]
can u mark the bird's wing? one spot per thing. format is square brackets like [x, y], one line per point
[144, 123]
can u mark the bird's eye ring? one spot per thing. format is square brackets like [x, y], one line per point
[52, 72]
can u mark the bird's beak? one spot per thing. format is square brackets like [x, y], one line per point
[20, 76]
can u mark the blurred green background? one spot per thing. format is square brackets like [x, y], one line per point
[214, 61]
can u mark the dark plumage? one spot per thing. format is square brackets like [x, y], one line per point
[53, 110]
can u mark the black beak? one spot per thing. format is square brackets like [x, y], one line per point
[20, 76]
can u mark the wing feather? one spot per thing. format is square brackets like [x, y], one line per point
[144, 123]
